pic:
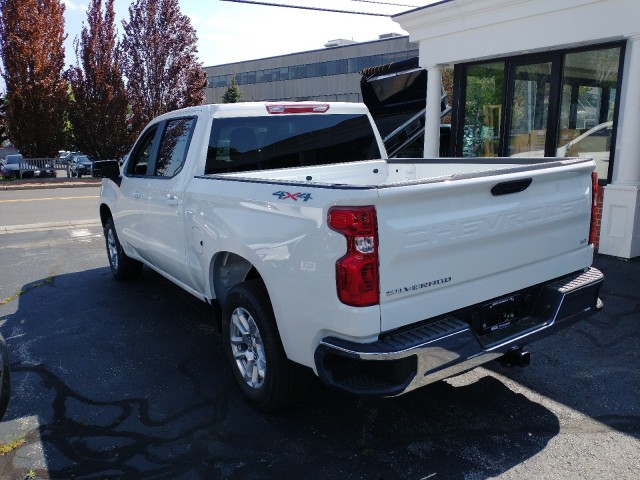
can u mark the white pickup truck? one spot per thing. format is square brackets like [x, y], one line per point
[321, 255]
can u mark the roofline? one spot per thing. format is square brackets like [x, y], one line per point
[310, 51]
[421, 8]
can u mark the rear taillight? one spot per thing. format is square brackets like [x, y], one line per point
[357, 271]
[594, 208]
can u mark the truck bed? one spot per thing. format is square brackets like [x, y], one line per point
[398, 172]
[454, 232]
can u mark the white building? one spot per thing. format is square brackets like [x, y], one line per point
[325, 74]
[537, 77]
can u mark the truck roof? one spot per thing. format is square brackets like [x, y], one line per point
[262, 109]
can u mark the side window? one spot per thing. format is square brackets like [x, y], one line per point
[142, 153]
[174, 146]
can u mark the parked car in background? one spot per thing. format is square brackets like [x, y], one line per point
[15, 166]
[63, 156]
[80, 165]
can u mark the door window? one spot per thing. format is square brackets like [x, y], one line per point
[139, 160]
[174, 146]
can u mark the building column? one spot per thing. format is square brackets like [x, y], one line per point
[620, 225]
[432, 119]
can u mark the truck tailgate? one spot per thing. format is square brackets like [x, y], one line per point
[451, 244]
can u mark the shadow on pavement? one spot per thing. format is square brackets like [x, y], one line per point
[129, 381]
[592, 367]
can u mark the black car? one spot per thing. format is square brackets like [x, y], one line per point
[80, 165]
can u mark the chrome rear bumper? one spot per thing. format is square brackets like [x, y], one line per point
[433, 350]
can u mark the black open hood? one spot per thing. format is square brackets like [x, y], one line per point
[396, 95]
[398, 88]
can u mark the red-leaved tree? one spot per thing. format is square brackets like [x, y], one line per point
[160, 60]
[3, 122]
[31, 47]
[98, 108]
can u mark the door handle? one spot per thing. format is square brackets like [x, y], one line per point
[171, 200]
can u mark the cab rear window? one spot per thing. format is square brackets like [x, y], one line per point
[264, 143]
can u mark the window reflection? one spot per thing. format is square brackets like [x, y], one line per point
[319, 69]
[587, 107]
[482, 110]
[139, 159]
[173, 147]
[530, 108]
[579, 121]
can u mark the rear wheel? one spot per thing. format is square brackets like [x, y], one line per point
[122, 266]
[252, 345]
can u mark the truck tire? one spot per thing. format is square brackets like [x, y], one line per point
[265, 375]
[122, 266]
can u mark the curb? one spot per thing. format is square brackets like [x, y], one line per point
[60, 183]
[49, 226]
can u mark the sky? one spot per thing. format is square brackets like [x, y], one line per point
[231, 32]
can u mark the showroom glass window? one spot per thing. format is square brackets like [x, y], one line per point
[587, 109]
[561, 103]
[483, 110]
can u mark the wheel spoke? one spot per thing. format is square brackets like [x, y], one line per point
[240, 323]
[250, 375]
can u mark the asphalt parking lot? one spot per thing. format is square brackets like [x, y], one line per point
[127, 380]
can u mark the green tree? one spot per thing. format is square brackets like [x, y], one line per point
[98, 106]
[160, 60]
[31, 48]
[232, 94]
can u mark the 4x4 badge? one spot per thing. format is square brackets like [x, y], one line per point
[292, 196]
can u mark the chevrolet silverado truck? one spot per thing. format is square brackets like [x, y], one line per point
[322, 256]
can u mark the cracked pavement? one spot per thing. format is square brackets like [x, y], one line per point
[127, 380]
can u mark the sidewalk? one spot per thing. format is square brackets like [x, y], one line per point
[39, 227]
[59, 182]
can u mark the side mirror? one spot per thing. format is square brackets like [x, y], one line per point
[106, 168]
[5, 377]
